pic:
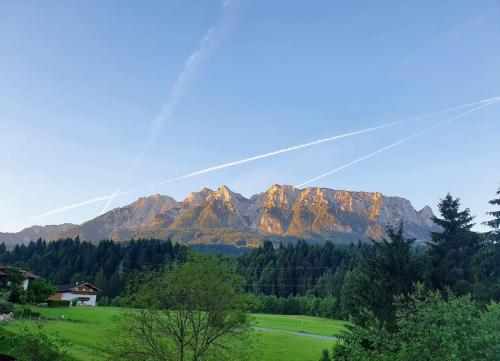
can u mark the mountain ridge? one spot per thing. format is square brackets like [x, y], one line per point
[282, 212]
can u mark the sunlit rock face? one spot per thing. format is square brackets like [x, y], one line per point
[281, 212]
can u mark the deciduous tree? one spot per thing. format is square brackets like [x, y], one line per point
[194, 311]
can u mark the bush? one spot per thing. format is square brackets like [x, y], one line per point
[103, 301]
[429, 327]
[6, 308]
[26, 312]
[58, 303]
[35, 345]
[116, 302]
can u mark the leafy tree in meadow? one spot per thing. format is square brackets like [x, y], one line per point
[39, 290]
[193, 311]
[14, 285]
[452, 248]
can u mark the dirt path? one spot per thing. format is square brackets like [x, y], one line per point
[320, 337]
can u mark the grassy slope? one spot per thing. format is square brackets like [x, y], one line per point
[306, 324]
[87, 329]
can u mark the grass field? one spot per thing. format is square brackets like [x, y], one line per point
[87, 330]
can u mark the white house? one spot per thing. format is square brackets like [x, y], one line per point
[84, 293]
[4, 270]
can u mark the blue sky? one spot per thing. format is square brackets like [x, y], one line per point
[82, 81]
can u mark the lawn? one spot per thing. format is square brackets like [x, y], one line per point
[88, 328]
[305, 324]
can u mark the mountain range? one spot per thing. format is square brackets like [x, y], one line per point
[282, 213]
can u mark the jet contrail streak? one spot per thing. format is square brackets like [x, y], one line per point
[110, 197]
[399, 142]
[177, 91]
[270, 154]
[325, 140]
[110, 200]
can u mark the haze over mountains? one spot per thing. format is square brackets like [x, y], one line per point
[222, 216]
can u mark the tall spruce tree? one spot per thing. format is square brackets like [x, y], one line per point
[495, 222]
[390, 269]
[452, 249]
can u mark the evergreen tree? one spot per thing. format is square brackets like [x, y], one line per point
[388, 270]
[106, 263]
[495, 222]
[452, 249]
[100, 280]
[485, 267]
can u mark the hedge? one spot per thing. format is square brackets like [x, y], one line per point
[58, 303]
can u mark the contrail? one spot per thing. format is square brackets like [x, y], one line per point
[110, 200]
[261, 156]
[324, 140]
[210, 169]
[270, 154]
[399, 142]
[178, 90]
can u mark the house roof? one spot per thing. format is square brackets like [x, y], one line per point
[74, 287]
[5, 269]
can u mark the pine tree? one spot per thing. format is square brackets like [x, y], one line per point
[495, 222]
[452, 248]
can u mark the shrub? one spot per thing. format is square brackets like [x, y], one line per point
[58, 303]
[103, 301]
[429, 327]
[116, 302]
[35, 345]
[26, 312]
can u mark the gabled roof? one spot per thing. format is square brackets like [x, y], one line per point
[73, 287]
[4, 270]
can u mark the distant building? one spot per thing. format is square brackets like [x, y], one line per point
[84, 292]
[4, 270]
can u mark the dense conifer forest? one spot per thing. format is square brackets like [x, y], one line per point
[297, 278]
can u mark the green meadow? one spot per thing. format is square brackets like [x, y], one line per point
[290, 338]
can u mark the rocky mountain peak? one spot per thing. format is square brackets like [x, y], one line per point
[196, 198]
[155, 200]
[426, 215]
[426, 212]
[224, 193]
[281, 196]
[223, 216]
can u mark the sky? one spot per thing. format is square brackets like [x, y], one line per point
[97, 98]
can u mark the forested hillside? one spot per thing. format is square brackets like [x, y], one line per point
[465, 261]
[107, 264]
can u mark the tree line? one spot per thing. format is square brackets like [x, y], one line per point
[370, 275]
[349, 277]
[403, 303]
[106, 264]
